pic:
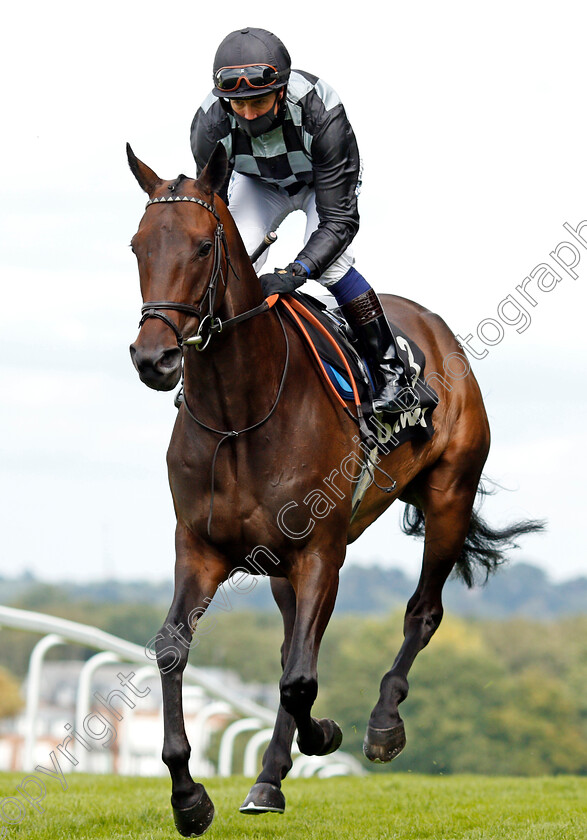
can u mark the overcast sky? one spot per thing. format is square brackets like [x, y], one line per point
[471, 123]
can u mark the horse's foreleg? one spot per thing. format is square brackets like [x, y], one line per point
[194, 588]
[315, 583]
[265, 795]
[447, 520]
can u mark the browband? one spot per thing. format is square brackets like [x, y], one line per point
[172, 198]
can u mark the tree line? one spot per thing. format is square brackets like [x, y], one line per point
[492, 696]
[518, 589]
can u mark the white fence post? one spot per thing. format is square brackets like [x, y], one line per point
[32, 696]
[227, 743]
[84, 686]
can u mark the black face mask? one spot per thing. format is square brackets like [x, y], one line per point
[258, 126]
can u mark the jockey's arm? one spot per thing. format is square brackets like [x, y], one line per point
[336, 166]
[204, 135]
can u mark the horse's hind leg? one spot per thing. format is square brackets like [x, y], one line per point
[194, 588]
[265, 795]
[447, 499]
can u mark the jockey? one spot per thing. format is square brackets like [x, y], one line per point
[290, 147]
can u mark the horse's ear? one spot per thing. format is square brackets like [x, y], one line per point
[214, 173]
[147, 179]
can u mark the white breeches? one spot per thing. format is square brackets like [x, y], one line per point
[259, 208]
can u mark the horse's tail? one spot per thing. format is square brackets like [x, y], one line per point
[484, 546]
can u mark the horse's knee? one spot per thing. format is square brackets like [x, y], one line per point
[298, 693]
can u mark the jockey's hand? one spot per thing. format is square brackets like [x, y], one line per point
[284, 280]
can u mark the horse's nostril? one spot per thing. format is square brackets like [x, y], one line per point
[162, 362]
[133, 354]
[169, 359]
[157, 368]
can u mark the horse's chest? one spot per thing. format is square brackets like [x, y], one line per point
[231, 502]
[238, 500]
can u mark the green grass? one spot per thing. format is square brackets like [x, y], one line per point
[402, 807]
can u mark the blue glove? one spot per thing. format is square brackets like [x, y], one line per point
[284, 280]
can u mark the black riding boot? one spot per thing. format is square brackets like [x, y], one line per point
[393, 394]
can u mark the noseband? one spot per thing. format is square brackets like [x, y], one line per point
[208, 323]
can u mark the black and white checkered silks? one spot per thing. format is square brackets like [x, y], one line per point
[310, 162]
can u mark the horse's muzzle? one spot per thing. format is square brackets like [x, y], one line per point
[159, 369]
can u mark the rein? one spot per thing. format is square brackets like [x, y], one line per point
[153, 309]
[226, 435]
[156, 309]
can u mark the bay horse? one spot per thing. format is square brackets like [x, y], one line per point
[257, 440]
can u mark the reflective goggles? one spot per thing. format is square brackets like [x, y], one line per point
[255, 75]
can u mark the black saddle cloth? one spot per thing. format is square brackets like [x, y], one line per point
[389, 429]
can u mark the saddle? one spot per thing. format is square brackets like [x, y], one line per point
[354, 380]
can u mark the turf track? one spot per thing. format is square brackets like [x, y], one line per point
[406, 807]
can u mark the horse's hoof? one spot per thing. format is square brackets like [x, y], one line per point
[332, 734]
[263, 798]
[195, 820]
[383, 745]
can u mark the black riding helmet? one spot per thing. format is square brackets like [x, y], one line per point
[250, 62]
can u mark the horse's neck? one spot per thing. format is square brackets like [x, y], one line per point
[243, 289]
[235, 378]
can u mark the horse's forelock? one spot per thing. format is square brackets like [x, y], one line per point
[175, 184]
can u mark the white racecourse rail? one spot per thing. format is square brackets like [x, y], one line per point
[221, 700]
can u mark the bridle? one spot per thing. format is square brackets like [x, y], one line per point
[208, 323]
[153, 309]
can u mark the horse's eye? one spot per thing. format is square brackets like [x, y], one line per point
[204, 249]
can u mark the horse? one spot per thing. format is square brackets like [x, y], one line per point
[258, 440]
